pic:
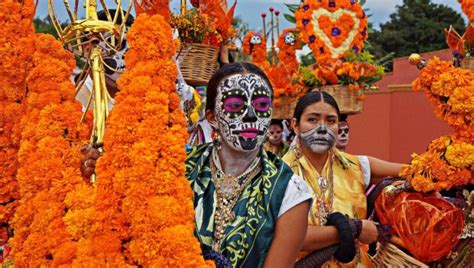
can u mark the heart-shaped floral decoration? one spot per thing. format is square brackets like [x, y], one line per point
[332, 27]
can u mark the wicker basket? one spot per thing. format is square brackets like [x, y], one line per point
[285, 108]
[198, 62]
[347, 100]
[391, 256]
[468, 63]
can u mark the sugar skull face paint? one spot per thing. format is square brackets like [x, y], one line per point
[343, 135]
[244, 110]
[319, 139]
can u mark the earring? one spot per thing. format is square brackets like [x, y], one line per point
[217, 140]
[298, 152]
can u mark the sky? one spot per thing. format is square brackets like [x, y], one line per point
[250, 11]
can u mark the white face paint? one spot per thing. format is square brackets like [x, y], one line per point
[243, 111]
[256, 40]
[343, 136]
[319, 139]
[290, 39]
[115, 60]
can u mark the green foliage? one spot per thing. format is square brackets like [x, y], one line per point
[44, 26]
[416, 26]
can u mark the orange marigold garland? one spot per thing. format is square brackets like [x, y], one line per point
[451, 93]
[49, 158]
[332, 27]
[142, 211]
[16, 48]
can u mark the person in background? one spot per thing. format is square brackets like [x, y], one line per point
[275, 143]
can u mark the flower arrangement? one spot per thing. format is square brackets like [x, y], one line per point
[449, 160]
[142, 212]
[49, 158]
[254, 44]
[451, 93]
[467, 7]
[447, 163]
[16, 50]
[332, 27]
[335, 31]
[194, 27]
[207, 23]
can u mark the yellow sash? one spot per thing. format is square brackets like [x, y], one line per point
[348, 195]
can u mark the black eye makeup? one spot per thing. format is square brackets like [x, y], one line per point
[234, 103]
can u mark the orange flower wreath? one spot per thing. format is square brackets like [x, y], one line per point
[332, 27]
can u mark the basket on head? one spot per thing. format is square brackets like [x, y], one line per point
[347, 100]
[284, 108]
[429, 226]
[198, 62]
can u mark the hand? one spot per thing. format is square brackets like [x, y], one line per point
[91, 155]
[369, 233]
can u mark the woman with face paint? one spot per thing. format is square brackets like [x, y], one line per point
[335, 180]
[249, 205]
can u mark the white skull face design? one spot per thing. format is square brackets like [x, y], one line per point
[343, 135]
[255, 40]
[290, 39]
[115, 60]
[243, 111]
[319, 139]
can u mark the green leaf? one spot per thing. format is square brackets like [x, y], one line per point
[293, 8]
[361, 2]
[290, 18]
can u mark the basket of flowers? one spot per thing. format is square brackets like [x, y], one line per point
[340, 65]
[203, 31]
[199, 48]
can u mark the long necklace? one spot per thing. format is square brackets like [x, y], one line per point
[228, 190]
[325, 196]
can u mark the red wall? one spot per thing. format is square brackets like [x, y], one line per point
[396, 121]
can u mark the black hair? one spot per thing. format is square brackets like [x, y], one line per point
[228, 70]
[315, 97]
[277, 122]
[103, 16]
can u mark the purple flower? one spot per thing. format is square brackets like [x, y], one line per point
[364, 32]
[353, 2]
[312, 38]
[356, 49]
[335, 31]
[332, 4]
[321, 50]
[305, 7]
[305, 22]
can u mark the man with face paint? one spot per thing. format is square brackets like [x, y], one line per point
[343, 136]
[238, 187]
[275, 143]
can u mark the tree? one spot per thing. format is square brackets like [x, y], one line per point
[417, 26]
[44, 26]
